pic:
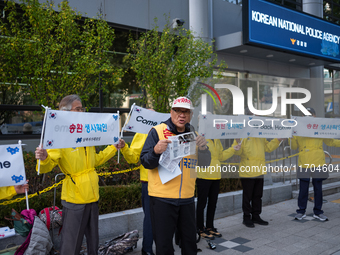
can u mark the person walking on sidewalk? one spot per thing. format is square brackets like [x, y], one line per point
[208, 187]
[80, 190]
[311, 154]
[132, 156]
[251, 172]
[172, 203]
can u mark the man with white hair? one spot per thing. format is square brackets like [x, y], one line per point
[80, 190]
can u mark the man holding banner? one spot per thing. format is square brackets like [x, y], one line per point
[172, 201]
[80, 190]
[311, 164]
[251, 172]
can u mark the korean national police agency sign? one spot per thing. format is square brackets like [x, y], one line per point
[65, 129]
[269, 24]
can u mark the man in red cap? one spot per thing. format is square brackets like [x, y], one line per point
[172, 203]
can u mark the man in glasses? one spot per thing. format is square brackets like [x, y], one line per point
[172, 203]
[80, 191]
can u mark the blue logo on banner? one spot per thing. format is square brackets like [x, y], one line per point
[115, 117]
[115, 139]
[248, 133]
[316, 133]
[260, 133]
[78, 140]
[12, 150]
[17, 178]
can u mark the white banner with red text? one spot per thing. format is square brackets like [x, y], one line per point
[66, 129]
[317, 127]
[243, 126]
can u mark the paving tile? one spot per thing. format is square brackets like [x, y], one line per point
[284, 235]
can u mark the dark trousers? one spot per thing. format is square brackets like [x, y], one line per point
[165, 218]
[303, 195]
[206, 190]
[76, 224]
[147, 227]
[252, 196]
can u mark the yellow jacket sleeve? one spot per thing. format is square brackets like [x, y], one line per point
[104, 155]
[53, 157]
[132, 154]
[332, 142]
[293, 143]
[272, 145]
[7, 192]
[239, 152]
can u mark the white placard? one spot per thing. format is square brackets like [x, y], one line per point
[12, 168]
[317, 127]
[66, 129]
[222, 126]
[142, 120]
[266, 127]
[243, 126]
[6, 232]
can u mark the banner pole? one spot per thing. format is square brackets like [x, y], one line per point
[127, 118]
[42, 134]
[120, 135]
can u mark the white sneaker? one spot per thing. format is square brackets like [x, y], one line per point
[320, 217]
[300, 216]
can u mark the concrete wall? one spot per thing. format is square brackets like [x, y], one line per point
[227, 18]
[134, 13]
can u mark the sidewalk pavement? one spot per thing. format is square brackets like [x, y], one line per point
[283, 235]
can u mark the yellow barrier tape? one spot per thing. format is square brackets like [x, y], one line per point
[57, 184]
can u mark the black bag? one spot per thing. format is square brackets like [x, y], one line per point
[120, 244]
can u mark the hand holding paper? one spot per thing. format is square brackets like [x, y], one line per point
[161, 146]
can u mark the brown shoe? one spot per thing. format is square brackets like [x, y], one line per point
[213, 231]
[206, 235]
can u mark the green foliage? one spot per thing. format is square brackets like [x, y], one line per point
[55, 53]
[120, 197]
[166, 63]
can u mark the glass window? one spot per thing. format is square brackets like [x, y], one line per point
[291, 4]
[332, 93]
[21, 122]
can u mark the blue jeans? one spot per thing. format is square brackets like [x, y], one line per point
[147, 227]
[303, 195]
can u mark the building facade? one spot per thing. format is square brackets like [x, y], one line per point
[263, 65]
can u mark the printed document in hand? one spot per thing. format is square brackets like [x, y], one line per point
[180, 146]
